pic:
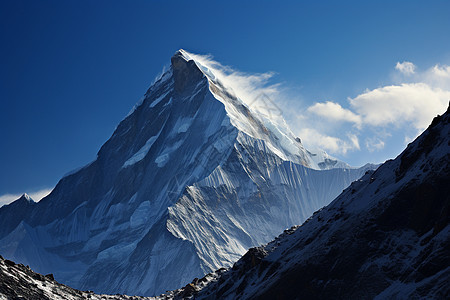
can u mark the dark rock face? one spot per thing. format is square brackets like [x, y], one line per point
[386, 236]
[185, 73]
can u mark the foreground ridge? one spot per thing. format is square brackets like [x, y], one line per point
[20, 282]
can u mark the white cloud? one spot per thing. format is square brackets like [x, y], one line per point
[406, 107]
[334, 112]
[36, 196]
[413, 104]
[441, 71]
[374, 144]
[354, 140]
[8, 198]
[437, 76]
[314, 139]
[406, 67]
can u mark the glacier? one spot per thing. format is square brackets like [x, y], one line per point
[189, 181]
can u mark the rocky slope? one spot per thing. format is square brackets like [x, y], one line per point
[20, 282]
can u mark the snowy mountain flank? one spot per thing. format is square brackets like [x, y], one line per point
[188, 182]
[387, 236]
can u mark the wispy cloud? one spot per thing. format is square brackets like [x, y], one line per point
[249, 87]
[409, 103]
[373, 144]
[36, 196]
[405, 67]
[39, 195]
[332, 144]
[335, 112]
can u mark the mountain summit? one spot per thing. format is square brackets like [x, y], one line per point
[189, 180]
[277, 136]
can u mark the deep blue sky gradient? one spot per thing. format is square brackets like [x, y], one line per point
[71, 70]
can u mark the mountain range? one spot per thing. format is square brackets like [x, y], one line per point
[189, 181]
[385, 237]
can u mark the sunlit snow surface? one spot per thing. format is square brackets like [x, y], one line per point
[189, 180]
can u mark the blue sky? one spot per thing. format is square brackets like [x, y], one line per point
[357, 78]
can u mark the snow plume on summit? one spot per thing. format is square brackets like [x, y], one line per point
[252, 111]
[188, 181]
[255, 90]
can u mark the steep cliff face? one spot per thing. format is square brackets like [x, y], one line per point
[188, 181]
[387, 236]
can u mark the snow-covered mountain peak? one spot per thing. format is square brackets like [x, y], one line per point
[252, 117]
[183, 53]
[185, 72]
[190, 179]
[26, 197]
